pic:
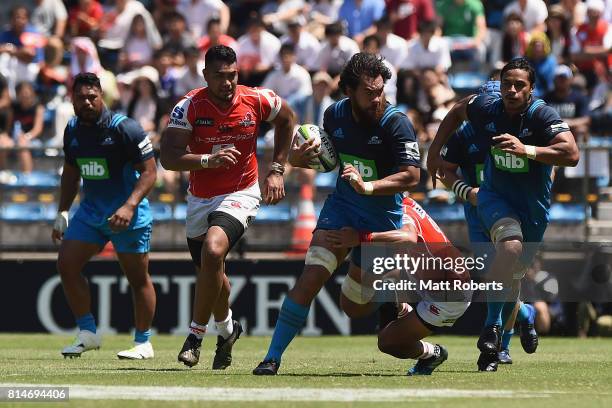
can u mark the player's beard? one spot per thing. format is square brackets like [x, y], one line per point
[370, 115]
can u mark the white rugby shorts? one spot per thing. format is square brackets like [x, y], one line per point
[242, 205]
[441, 314]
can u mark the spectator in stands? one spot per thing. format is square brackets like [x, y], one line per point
[191, 76]
[592, 43]
[539, 55]
[407, 14]
[84, 18]
[291, 81]
[138, 50]
[27, 123]
[464, 25]
[115, 27]
[575, 11]
[514, 40]
[214, 36]
[145, 106]
[178, 39]
[533, 13]
[392, 47]
[571, 104]
[276, 14]
[559, 34]
[6, 141]
[540, 288]
[336, 51]
[494, 16]
[18, 59]
[162, 61]
[257, 52]
[371, 45]
[50, 18]
[322, 13]
[434, 100]
[359, 17]
[199, 12]
[306, 45]
[321, 90]
[428, 50]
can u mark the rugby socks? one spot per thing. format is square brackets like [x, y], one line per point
[428, 350]
[290, 321]
[225, 328]
[197, 330]
[142, 336]
[523, 312]
[86, 322]
[507, 312]
[494, 313]
[506, 337]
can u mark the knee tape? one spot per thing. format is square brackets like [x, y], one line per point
[317, 255]
[356, 292]
[506, 228]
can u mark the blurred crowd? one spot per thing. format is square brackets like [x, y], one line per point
[148, 53]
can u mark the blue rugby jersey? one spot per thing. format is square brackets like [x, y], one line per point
[376, 152]
[105, 155]
[525, 184]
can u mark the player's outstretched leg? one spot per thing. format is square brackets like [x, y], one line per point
[321, 261]
[509, 316]
[72, 257]
[135, 266]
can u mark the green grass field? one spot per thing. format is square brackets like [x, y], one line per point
[564, 372]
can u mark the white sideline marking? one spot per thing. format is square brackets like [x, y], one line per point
[111, 392]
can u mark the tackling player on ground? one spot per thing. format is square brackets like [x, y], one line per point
[379, 155]
[114, 157]
[402, 333]
[213, 134]
[527, 138]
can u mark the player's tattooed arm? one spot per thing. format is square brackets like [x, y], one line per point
[284, 122]
[121, 219]
[450, 123]
[404, 180]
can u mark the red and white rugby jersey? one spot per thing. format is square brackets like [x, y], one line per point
[426, 228]
[213, 129]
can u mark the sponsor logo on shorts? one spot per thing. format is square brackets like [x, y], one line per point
[509, 162]
[366, 168]
[449, 321]
[93, 168]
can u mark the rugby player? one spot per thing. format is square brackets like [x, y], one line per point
[379, 156]
[212, 133]
[114, 157]
[526, 138]
[401, 335]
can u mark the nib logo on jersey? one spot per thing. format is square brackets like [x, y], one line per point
[93, 168]
[366, 168]
[509, 162]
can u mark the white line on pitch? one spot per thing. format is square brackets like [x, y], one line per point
[111, 392]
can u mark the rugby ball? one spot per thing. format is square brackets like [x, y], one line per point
[327, 160]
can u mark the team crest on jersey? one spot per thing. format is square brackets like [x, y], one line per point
[375, 140]
[473, 148]
[524, 133]
[108, 141]
[204, 122]
[338, 133]
[491, 127]
[247, 121]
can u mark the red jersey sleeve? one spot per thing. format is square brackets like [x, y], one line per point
[269, 104]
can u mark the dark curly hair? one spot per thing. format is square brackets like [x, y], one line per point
[360, 64]
[519, 63]
[219, 53]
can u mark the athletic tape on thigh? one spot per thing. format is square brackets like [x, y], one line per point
[317, 255]
[355, 292]
[506, 228]
[519, 271]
